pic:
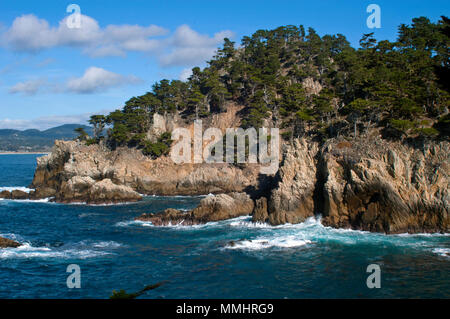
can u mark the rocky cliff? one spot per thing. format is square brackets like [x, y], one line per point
[368, 184]
[76, 172]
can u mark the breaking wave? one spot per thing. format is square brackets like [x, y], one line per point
[14, 188]
[80, 250]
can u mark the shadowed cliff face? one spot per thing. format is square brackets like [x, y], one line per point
[367, 184]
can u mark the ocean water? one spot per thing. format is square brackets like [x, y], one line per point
[306, 260]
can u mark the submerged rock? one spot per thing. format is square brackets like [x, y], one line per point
[211, 208]
[8, 243]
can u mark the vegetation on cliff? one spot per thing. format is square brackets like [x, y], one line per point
[307, 85]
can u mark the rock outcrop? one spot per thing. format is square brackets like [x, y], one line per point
[260, 212]
[368, 184]
[211, 208]
[5, 194]
[293, 200]
[86, 189]
[73, 171]
[14, 194]
[387, 187]
[8, 243]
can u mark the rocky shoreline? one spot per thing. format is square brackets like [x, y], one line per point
[211, 208]
[368, 184]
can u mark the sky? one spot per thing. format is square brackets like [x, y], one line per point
[53, 73]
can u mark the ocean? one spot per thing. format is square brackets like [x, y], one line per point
[114, 252]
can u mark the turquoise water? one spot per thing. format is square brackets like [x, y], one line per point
[113, 252]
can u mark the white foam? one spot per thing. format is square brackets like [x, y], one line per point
[107, 244]
[177, 226]
[81, 250]
[444, 252]
[263, 243]
[28, 251]
[18, 188]
[42, 200]
[133, 222]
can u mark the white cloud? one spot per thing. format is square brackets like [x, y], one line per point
[94, 80]
[188, 47]
[97, 79]
[28, 33]
[30, 87]
[184, 47]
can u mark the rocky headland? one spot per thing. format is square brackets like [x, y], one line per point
[368, 183]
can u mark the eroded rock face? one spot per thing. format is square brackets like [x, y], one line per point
[260, 213]
[387, 187]
[368, 184]
[85, 189]
[211, 208]
[292, 201]
[8, 243]
[73, 168]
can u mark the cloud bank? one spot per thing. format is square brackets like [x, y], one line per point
[94, 80]
[97, 80]
[184, 46]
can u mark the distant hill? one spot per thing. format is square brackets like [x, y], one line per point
[36, 141]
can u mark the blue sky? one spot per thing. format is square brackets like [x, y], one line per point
[50, 75]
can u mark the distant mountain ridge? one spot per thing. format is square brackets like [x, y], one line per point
[33, 140]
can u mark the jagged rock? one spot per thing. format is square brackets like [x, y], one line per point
[368, 184]
[387, 187]
[86, 189]
[106, 191]
[5, 194]
[73, 167]
[8, 243]
[260, 213]
[223, 206]
[44, 192]
[18, 194]
[293, 200]
[211, 208]
[169, 216]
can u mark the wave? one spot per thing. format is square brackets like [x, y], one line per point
[279, 242]
[81, 250]
[14, 188]
[444, 252]
[257, 236]
[42, 200]
[313, 231]
[170, 226]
